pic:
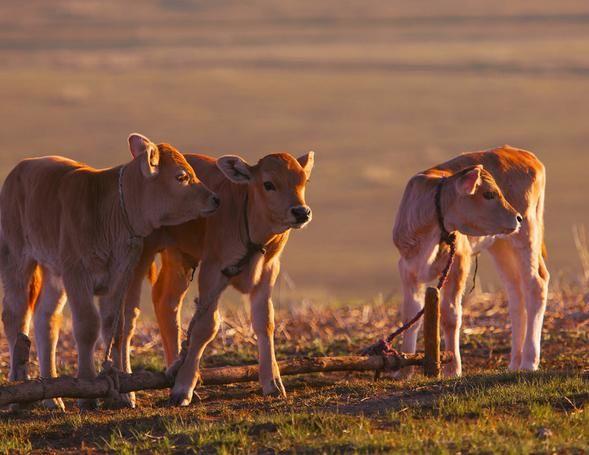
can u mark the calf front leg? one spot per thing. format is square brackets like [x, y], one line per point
[263, 324]
[86, 323]
[451, 312]
[535, 280]
[203, 328]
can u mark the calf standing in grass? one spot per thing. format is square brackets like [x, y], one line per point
[240, 245]
[492, 200]
[68, 228]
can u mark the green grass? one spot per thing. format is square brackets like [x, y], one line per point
[496, 413]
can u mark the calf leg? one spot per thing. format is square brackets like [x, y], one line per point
[86, 327]
[451, 311]
[535, 279]
[168, 293]
[412, 303]
[21, 282]
[263, 324]
[507, 265]
[47, 318]
[203, 328]
[122, 352]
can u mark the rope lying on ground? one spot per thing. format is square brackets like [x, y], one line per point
[384, 346]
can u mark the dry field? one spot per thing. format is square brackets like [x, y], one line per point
[487, 411]
[380, 90]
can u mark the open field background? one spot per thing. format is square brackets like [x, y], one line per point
[380, 90]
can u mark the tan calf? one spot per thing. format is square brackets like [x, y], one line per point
[481, 200]
[67, 228]
[240, 245]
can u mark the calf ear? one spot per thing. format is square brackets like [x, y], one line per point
[235, 168]
[469, 181]
[139, 144]
[307, 161]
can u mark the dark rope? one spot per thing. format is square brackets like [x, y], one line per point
[251, 248]
[474, 277]
[384, 346]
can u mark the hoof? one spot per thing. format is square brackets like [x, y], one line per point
[88, 404]
[529, 366]
[55, 404]
[180, 399]
[451, 371]
[274, 389]
[126, 401]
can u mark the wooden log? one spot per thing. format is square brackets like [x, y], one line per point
[69, 387]
[431, 333]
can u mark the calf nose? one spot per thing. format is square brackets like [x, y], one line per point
[216, 200]
[519, 218]
[301, 213]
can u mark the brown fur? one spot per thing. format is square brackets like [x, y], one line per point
[518, 180]
[215, 243]
[63, 229]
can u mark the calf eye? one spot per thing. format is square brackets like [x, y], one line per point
[489, 195]
[269, 186]
[183, 177]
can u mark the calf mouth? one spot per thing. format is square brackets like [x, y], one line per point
[208, 212]
[299, 224]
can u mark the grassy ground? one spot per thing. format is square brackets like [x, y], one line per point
[488, 410]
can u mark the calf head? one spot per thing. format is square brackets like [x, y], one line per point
[278, 184]
[475, 205]
[168, 192]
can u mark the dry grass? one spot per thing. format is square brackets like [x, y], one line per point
[486, 410]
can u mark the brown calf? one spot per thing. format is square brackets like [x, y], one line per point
[67, 228]
[474, 203]
[240, 245]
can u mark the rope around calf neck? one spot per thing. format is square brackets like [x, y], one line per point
[384, 346]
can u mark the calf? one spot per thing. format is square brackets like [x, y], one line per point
[240, 245]
[474, 204]
[69, 228]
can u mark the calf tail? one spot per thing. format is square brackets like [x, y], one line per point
[152, 273]
[35, 285]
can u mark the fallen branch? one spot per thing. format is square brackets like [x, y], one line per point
[69, 387]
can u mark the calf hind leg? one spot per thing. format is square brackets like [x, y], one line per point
[413, 301]
[47, 318]
[508, 269]
[167, 295]
[21, 288]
